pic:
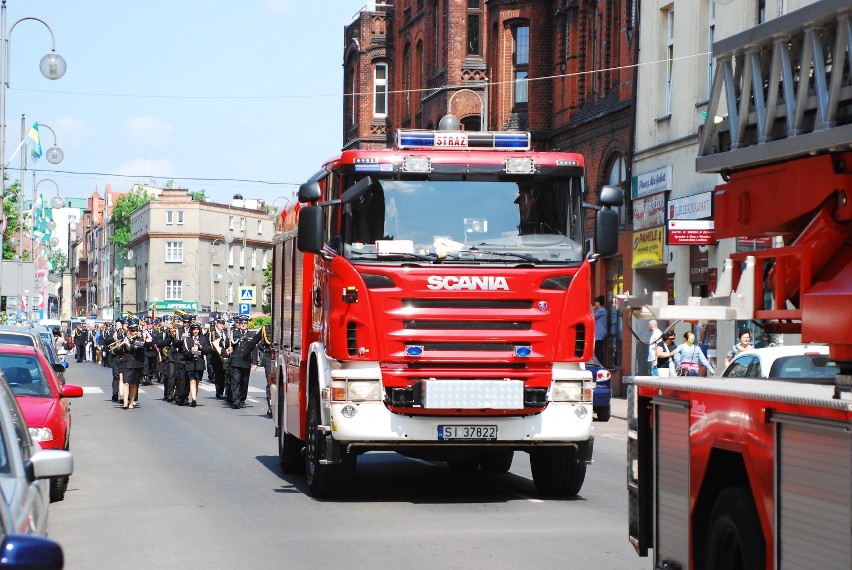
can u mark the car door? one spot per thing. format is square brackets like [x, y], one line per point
[743, 366]
[29, 506]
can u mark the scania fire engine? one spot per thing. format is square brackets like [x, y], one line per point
[733, 473]
[434, 299]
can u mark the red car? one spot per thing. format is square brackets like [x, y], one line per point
[43, 400]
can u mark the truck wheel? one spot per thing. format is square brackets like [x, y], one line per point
[497, 460]
[603, 413]
[289, 446]
[735, 538]
[557, 470]
[324, 480]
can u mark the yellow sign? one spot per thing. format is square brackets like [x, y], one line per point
[648, 247]
[247, 295]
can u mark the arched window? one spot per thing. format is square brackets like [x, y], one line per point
[380, 90]
[521, 62]
[406, 78]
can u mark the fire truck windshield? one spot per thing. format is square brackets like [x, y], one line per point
[499, 221]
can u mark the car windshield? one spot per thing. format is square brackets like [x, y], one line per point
[803, 366]
[24, 375]
[19, 339]
[493, 221]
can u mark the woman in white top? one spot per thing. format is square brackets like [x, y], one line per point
[742, 346]
[688, 356]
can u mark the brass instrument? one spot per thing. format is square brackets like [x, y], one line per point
[180, 313]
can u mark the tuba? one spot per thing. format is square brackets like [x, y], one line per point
[180, 312]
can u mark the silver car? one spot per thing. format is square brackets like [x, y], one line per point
[25, 469]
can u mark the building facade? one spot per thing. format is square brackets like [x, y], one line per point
[561, 69]
[196, 256]
[674, 85]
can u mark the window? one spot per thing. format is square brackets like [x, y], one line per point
[380, 90]
[259, 227]
[669, 59]
[473, 27]
[230, 293]
[230, 256]
[174, 289]
[170, 218]
[254, 259]
[231, 223]
[521, 61]
[242, 257]
[174, 251]
[264, 261]
[761, 11]
[406, 78]
[180, 217]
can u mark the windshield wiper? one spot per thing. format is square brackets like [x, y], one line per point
[475, 250]
[396, 254]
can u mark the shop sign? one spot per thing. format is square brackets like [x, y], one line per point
[172, 305]
[648, 247]
[653, 182]
[690, 232]
[693, 207]
[649, 212]
[748, 244]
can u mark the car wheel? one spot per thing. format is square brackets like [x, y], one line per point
[603, 413]
[58, 486]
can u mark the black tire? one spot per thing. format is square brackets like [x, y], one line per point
[289, 446]
[58, 486]
[603, 413]
[734, 536]
[557, 471]
[497, 460]
[324, 480]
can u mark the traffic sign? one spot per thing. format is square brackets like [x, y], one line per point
[247, 294]
[244, 308]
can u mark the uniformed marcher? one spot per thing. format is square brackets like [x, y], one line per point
[80, 337]
[165, 339]
[109, 339]
[181, 386]
[264, 355]
[193, 361]
[133, 347]
[215, 345]
[242, 360]
[151, 353]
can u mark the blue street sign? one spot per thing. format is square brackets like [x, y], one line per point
[245, 308]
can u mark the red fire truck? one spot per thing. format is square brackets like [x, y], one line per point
[729, 473]
[434, 299]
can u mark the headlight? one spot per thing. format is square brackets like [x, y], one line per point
[355, 390]
[572, 391]
[41, 434]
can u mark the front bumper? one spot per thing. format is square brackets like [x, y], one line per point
[374, 426]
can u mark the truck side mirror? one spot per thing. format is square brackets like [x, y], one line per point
[606, 232]
[309, 192]
[309, 239]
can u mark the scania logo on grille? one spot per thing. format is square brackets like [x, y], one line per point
[542, 306]
[468, 282]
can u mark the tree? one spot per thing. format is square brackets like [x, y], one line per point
[10, 212]
[59, 260]
[199, 196]
[120, 218]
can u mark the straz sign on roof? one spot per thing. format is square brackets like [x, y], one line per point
[451, 139]
[483, 140]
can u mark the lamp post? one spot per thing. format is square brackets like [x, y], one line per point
[52, 66]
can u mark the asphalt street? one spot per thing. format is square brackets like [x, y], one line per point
[163, 486]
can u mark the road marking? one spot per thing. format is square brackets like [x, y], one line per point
[92, 390]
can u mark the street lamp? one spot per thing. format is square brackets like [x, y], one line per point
[52, 66]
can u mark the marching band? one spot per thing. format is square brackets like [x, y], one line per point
[175, 352]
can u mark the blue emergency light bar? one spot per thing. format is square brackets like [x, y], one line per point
[448, 140]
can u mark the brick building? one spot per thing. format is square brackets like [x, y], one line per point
[561, 69]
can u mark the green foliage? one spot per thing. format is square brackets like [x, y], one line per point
[59, 260]
[120, 218]
[10, 211]
[259, 321]
[199, 196]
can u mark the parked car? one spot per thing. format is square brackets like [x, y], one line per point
[43, 400]
[33, 337]
[603, 389]
[780, 362]
[25, 469]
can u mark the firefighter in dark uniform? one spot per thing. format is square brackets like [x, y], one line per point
[193, 361]
[109, 338]
[151, 353]
[133, 348]
[181, 385]
[242, 361]
[80, 337]
[216, 342]
[165, 340]
[264, 355]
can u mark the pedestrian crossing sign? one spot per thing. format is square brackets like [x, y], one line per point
[247, 295]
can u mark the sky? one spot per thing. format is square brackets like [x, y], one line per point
[202, 93]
